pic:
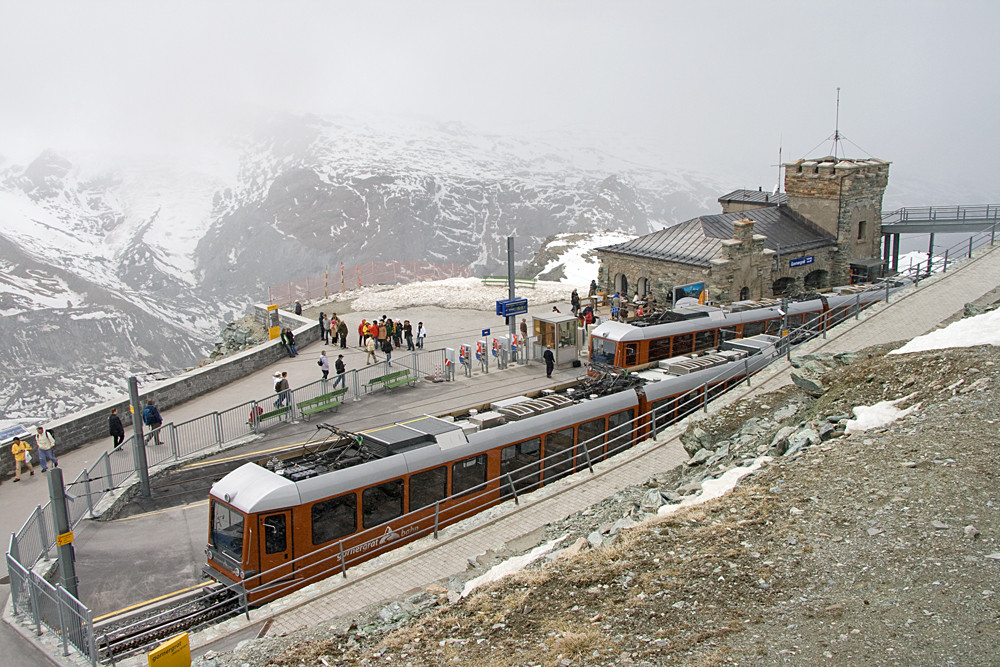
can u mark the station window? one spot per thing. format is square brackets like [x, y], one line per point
[558, 454]
[521, 462]
[381, 503]
[861, 229]
[334, 518]
[468, 474]
[428, 487]
[274, 534]
[591, 435]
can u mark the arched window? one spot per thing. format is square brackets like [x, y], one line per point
[817, 279]
[744, 294]
[621, 284]
[783, 286]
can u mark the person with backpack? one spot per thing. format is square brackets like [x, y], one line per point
[151, 418]
[46, 448]
[281, 388]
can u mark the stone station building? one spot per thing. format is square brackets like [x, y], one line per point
[824, 230]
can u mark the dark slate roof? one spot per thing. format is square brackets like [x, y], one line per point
[754, 197]
[699, 240]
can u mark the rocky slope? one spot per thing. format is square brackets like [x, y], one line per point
[874, 547]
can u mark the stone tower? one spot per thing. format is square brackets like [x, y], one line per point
[843, 197]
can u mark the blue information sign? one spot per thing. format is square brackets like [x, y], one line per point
[512, 307]
[486, 332]
[801, 261]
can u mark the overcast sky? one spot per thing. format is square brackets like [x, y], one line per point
[710, 86]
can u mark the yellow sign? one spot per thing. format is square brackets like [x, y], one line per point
[64, 539]
[273, 325]
[174, 652]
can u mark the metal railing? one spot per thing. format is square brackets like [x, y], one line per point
[53, 607]
[961, 250]
[974, 213]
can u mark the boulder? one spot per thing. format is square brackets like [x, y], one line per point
[800, 439]
[700, 457]
[695, 438]
[808, 383]
[779, 443]
[651, 501]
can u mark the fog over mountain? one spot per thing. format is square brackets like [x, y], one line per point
[160, 165]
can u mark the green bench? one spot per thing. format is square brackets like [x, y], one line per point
[272, 414]
[391, 380]
[322, 402]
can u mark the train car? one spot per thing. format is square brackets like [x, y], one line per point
[698, 328]
[283, 523]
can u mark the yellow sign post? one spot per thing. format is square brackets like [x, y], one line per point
[273, 327]
[175, 652]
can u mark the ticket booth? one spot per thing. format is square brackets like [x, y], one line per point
[559, 333]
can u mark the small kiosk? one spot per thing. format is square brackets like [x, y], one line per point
[560, 333]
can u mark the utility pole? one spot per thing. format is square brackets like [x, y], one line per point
[512, 321]
[139, 444]
[64, 536]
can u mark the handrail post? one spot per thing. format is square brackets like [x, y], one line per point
[343, 563]
[746, 370]
[42, 532]
[219, 435]
[110, 483]
[970, 247]
[86, 489]
[586, 457]
[63, 626]
[437, 510]
[704, 394]
[512, 489]
[173, 442]
[33, 594]
[944, 268]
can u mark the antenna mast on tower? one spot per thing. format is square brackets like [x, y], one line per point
[836, 127]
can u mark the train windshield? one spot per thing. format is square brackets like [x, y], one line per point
[602, 351]
[227, 531]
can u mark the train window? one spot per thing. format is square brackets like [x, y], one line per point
[381, 503]
[659, 348]
[428, 487]
[663, 414]
[334, 518]
[591, 435]
[683, 344]
[704, 340]
[468, 474]
[602, 351]
[558, 454]
[773, 327]
[521, 462]
[227, 531]
[274, 534]
[631, 354]
[753, 328]
[620, 430]
[795, 321]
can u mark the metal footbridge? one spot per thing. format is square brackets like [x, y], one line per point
[940, 219]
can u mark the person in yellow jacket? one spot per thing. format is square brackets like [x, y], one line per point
[19, 449]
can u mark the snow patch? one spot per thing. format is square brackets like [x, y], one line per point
[867, 417]
[716, 488]
[978, 330]
[510, 566]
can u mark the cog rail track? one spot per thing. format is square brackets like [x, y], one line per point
[124, 635]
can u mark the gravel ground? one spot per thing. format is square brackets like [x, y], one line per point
[878, 547]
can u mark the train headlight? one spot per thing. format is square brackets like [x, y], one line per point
[210, 554]
[239, 573]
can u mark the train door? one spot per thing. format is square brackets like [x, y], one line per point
[275, 546]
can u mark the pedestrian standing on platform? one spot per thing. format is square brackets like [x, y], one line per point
[341, 372]
[151, 418]
[370, 348]
[421, 335]
[324, 364]
[361, 333]
[282, 388]
[408, 334]
[524, 329]
[116, 430]
[22, 457]
[324, 328]
[381, 333]
[387, 350]
[46, 448]
[574, 303]
[550, 362]
[298, 308]
[342, 332]
[397, 333]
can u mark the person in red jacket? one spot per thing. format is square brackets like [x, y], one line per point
[361, 333]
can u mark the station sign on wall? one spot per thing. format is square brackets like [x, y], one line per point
[801, 261]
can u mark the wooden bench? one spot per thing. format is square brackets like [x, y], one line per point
[264, 416]
[322, 402]
[391, 380]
